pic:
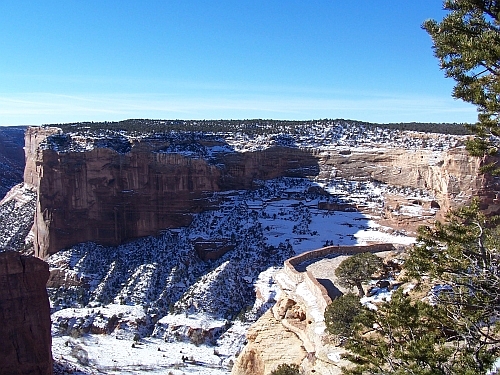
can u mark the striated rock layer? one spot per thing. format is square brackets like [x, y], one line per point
[269, 345]
[25, 345]
[452, 175]
[108, 197]
[133, 187]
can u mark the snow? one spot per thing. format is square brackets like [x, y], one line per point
[17, 211]
[324, 135]
[333, 356]
[312, 306]
[109, 355]
[159, 291]
[182, 300]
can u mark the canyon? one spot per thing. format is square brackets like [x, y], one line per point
[128, 187]
[175, 233]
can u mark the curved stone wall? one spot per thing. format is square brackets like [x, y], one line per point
[313, 285]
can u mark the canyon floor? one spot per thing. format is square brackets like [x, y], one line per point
[182, 300]
[205, 325]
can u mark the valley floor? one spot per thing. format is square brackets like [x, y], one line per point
[188, 315]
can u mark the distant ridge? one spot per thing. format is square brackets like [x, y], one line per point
[252, 126]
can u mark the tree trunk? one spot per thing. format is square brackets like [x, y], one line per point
[361, 291]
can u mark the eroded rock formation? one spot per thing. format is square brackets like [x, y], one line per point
[269, 345]
[125, 188]
[108, 197]
[25, 345]
[452, 175]
[296, 321]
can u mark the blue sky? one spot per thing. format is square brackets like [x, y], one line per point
[96, 60]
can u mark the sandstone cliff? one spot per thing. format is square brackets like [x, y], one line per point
[269, 345]
[106, 196]
[115, 188]
[296, 322]
[25, 347]
[452, 175]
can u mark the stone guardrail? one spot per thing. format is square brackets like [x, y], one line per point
[318, 290]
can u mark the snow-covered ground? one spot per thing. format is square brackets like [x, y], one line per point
[240, 137]
[17, 209]
[162, 293]
[162, 304]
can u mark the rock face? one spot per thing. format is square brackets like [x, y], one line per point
[269, 345]
[108, 197]
[25, 347]
[295, 323]
[452, 175]
[11, 157]
[124, 188]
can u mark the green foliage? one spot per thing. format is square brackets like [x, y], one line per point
[400, 337]
[340, 315]
[467, 44]
[463, 254]
[457, 331]
[285, 369]
[357, 269]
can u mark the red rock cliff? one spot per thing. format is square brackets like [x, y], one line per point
[25, 344]
[108, 197]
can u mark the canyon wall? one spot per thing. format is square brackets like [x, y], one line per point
[109, 194]
[25, 347]
[452, 175]
[108, 197]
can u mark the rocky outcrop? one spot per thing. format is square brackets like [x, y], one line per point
[269, 345]
[106, 196]
[25, 347]
[123, 188]
[298, 316]
[452, 175]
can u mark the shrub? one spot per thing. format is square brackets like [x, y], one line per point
[341, 313]
[285, 369]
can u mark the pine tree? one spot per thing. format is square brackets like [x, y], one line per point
[340, 315]
[400, 337]
[286, 369]
[457, 331]
[464, 256]
[357, 269]
[467, 44]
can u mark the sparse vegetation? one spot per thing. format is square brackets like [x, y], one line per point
[250, 126]
[357, 269]
[286, 369]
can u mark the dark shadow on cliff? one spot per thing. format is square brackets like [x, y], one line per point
[11, 157]
[243, 170]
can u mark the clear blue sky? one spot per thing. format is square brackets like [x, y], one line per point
[95, 60]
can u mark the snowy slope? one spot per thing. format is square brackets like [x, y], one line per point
[17, 210]
[195, 302]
